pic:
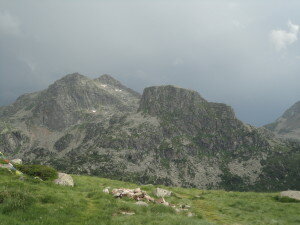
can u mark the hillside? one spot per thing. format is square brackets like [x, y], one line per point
[35, 202]
[288, 125]
[168, 135]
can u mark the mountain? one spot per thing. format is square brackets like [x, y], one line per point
[168, 135]
[288, 125]
[70, 100]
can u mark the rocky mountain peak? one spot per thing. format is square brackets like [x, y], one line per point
[292, 111]
[168, 98]
[71, 79]
[108, 79]
[288, 125]
[72, 99]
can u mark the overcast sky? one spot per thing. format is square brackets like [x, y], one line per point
[242, 53]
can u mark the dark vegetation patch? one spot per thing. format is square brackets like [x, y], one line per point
[41, 171]
[63, 142]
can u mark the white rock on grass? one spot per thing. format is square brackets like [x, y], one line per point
[105, 190]
[128, 213]
[64, 180]
[159, 192]
[291, 194]
[190, 214]
[141, 203]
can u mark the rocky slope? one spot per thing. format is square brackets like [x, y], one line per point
[169, 135]
[288, 125]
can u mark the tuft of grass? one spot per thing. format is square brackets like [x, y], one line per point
[47, 199]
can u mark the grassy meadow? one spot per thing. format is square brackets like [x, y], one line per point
[34, 202]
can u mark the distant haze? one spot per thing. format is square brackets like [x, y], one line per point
[242, 53]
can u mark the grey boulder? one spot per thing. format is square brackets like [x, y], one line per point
[159, 192]
[291, 194]
[64, 180]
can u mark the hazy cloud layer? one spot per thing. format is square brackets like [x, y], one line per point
[8, 24]
[281, 38]
[237, 52]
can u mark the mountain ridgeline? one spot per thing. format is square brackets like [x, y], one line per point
[168, 135]
[288, 125]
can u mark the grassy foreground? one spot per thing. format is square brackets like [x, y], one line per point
[34, 202]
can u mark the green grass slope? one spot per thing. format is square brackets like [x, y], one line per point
[33, 202]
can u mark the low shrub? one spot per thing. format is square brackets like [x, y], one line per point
[41, 171]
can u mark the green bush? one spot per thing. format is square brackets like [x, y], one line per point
[41, 171]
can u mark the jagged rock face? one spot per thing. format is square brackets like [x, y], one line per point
[185, 112]
[172, 137]
[288, 125]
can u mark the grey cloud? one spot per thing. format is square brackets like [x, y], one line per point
[9, 25]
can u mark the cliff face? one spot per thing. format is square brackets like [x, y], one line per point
[288, 125]
[169, 135]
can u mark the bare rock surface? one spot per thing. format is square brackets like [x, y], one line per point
[140, 203]
[16, 161]
[291, 194]
[159, 192]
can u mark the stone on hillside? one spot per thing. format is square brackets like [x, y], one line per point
[128, 213]
[291, 194]
[190, 214]
[177, 210]
[148, 198]
[16, 161]
[64, 180]
[137, 190]
[136, 194]
[159, 192]
[141, 203]
[105, 190]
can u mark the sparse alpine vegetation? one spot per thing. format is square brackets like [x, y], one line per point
[31, 201]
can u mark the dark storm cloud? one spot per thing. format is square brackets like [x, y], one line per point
[245, 54]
